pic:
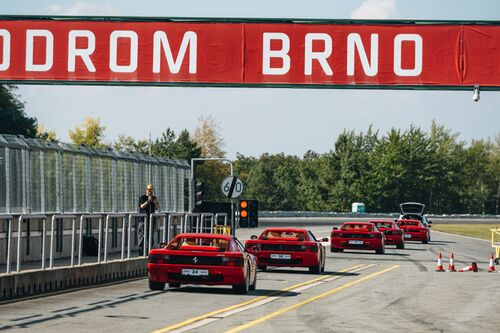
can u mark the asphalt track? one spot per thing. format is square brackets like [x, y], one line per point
[359, 292]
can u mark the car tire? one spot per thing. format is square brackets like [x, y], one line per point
[400, 246]
[381, 251]
[153, 285]
[315, 269]
[262, 267]
[243, 288]
[174, 285]
[253, 286]
[332, 249]
[425, 241]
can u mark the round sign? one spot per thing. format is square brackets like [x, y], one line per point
[232, 187]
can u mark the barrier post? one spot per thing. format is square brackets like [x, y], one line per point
[8, 218]
[130, 217]
[188, 215]
[80, 243]
[122, 216]
[151, 217]
[203, 217]
[170, 220]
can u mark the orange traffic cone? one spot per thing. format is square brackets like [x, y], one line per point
[451, 267]
[471, 267]
[439, 267]
[491, 267]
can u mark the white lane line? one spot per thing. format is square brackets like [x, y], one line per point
[469, 237]
[228, 313]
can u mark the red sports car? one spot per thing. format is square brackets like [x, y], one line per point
[393, 234]
[414, 230]
[202, 259]
[288, 247]
[357, 236]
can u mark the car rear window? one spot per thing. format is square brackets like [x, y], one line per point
[388, 225]
[284, 235]
[201, 243]
[359, 227]
[410, 223]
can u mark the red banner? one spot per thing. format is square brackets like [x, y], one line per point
[241, 53]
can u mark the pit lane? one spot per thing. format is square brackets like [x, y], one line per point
[412, 297]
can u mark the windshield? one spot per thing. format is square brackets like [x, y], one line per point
[388, 225]
[199, 243]
[410, 223]
[357, 227]
[284, 235]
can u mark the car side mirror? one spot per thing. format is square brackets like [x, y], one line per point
[335, 228]
[253, 237]
[324, 239]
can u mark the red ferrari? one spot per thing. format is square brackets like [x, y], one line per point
[414, 230]
[288, 247]
[202, 259]
[357, 236]
[393, 234]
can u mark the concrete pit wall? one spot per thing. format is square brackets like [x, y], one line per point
[35, 282]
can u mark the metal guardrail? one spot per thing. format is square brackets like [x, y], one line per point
[186, 222]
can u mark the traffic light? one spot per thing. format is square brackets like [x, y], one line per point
[249, 213]
[199, 193]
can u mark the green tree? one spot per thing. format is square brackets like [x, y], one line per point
[13, 119]
[89, 133]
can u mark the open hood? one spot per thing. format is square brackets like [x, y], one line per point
[412, 208]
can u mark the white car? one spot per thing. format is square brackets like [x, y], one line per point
[413, 211]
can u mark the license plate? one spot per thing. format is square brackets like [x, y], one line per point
[281, 256]
[407, 236]
[195, 272]
[356, 242]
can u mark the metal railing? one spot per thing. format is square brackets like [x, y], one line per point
[167, 221]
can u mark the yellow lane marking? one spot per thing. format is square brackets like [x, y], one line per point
[253, 300]
[310, 300]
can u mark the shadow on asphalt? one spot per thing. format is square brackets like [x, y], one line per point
[29, 322]
[441, 242]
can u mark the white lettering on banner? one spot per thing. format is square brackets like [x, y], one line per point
[113, 51]
[268, 53]
[160, 41]
[354, 42]
[320, 56]
[73, 52]
[398, 41]
[49, 50]
[5, 63]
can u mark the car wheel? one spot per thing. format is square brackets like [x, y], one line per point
[381, 251]
[174, 285]
[332, 249]
[262, 267]
[323, 265]
[400, 246]
[244, 287]
[153, 285]
[425, 241]
[315, 269]
[253, 286]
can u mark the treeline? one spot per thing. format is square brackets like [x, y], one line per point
[434, 168]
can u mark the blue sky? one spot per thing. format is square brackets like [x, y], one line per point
[276, 120]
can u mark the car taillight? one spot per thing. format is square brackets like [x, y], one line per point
[312, 248]
[158, 258]
[232, 261]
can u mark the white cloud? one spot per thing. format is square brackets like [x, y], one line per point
[80, 8]
[376, 9]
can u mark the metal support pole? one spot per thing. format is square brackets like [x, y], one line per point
[9, 241]
[51, 252]
[106, 239]
[99, 241]
[73, 236]
[124, 224]
[80, 239]
[129, 245]
[19, 235]
[44, 236]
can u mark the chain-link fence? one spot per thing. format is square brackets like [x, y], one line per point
[52, 177]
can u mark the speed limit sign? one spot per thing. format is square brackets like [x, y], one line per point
[232, 187]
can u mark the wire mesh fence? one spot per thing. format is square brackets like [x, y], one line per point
[52, 177]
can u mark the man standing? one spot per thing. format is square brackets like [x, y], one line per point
[148, 204]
